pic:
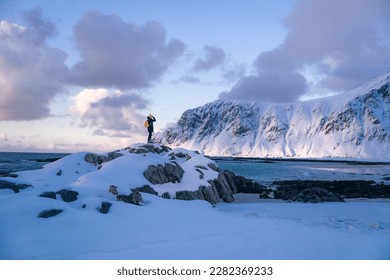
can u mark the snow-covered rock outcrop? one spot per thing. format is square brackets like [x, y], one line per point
[355, 124]
[97, 181]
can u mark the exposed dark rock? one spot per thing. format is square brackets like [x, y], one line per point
[147, 189]
[113, 189]
[264, 194]
[105, 207]
[201, 174]
[213, 166]
[49, 213]
[15, 187]
[47, 159]
[183, 155]
[308, 195]
[149, 148]
[59, 173]
[223, 188]
[68, 195]
[51, 195]
[201, 167]
[342, 188]
[190, 195]
[98, 160]
[134, 197]
[166, 195]
[161, 174]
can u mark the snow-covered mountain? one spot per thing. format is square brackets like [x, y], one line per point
[355, 124]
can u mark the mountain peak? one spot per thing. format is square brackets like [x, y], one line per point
[352, 125]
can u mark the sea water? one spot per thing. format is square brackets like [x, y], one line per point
[12, 161]
[266, 171]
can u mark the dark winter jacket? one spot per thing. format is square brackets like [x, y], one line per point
[151, 120]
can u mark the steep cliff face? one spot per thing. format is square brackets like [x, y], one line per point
[355, 124]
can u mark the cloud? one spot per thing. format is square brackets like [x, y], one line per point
[213, 57]
[189, 80]
[3, 136]
[31, 73]
[344, 42]
[117, 54]
[110, 111]
[268, 87]
[43, 27]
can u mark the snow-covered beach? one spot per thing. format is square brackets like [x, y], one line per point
[158, 228]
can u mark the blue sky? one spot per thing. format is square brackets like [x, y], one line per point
[82, 75]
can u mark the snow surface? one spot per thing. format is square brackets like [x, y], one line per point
[174, 229]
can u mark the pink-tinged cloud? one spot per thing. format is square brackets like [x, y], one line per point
[110, 111]
[118, 54]
[31, 73]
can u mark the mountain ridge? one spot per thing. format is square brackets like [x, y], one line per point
[352, 125]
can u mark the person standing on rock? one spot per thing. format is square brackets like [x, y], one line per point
[149, 124]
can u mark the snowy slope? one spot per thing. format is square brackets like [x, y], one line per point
[355, 124]
[170, 228]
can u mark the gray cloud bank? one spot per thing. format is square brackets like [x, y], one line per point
[345, 42]
[118, 54]
[114, 54]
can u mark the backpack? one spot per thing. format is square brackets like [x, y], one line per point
[146, 123]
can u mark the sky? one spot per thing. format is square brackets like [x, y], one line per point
[83, 75]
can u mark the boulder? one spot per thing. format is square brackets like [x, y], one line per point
[15, 187]
[68, 195]
[105, 207]
[51, 195]
[49, 213]
[98, 160]
[167, 173]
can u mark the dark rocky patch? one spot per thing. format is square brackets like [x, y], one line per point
[342, 189]
[98, 160]
[134, 197]
[68, 195]
[147, 189]
[308, 195]
[12, 186]
[113, 189]
[51, 195]
[46, 159]
[105, 207]
[161, 174]
[49, 213]
[147, 148]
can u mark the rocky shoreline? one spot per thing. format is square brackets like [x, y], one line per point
[313, 191]
[221, 189]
